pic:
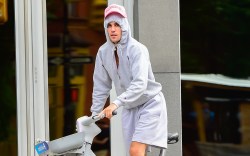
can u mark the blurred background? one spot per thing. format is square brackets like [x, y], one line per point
[215, 70]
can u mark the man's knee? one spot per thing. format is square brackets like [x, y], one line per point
[137, 149]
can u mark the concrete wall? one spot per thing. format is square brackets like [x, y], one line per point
[158, 28]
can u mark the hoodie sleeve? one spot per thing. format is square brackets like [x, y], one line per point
[139, 68]
[102, 86]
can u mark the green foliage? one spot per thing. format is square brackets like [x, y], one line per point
[214, 37]
[7, 71]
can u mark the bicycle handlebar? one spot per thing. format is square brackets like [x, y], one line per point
[173, 138]
[99, 117]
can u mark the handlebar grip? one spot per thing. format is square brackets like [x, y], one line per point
[97, 117]
[114, 112]
[173, 138]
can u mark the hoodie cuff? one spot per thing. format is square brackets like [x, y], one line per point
[94, 113]
[118, 103]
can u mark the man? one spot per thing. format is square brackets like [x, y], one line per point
[125, 62]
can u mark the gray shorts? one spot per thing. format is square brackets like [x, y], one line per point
[146, 123]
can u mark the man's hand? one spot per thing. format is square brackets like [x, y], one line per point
[108, 110]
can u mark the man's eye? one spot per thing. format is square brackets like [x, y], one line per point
[117, 25]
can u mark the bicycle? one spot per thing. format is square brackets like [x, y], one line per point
[79, 144]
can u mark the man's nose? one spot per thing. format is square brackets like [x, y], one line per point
[112, 28]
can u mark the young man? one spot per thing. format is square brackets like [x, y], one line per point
[125, 62]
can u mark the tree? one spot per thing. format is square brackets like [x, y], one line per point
[214, 37]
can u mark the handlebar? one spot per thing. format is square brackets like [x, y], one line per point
[99, 117]
[173, 138]
[86, 121]
[89, 120]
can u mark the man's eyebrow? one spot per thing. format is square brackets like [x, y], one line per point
[117, 23]
[112, 22]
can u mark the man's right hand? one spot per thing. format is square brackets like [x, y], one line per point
[108, 111]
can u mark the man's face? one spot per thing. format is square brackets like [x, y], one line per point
[114, 31]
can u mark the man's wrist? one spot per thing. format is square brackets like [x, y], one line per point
[114, 105]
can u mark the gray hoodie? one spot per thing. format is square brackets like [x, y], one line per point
[133, 80]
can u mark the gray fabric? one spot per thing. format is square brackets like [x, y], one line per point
[146, 123]
[134, 80]
[144, 114]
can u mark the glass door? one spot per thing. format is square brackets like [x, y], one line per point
[74, 34]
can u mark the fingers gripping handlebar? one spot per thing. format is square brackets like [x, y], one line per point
[98, 117]
[86, 121]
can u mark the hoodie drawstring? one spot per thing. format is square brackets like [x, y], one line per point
[116, 57]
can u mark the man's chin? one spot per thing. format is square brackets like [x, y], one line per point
[115, 42]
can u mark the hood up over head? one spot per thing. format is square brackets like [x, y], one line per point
[117, 13]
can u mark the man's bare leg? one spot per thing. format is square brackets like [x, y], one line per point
[137, 149]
